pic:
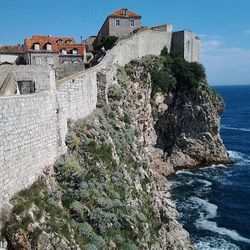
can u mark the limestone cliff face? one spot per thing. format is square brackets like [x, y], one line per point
[188, 130]
[109, 191]
[180, 125]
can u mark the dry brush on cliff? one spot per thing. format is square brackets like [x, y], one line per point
[108, 191]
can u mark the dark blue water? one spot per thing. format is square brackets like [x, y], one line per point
[214, 202]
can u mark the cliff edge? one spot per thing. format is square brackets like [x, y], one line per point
[109, 191]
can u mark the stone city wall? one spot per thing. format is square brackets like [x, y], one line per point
[28, 136]
[33, 127]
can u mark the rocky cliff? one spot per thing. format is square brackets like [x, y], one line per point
[110, 190]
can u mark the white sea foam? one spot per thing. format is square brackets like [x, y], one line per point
[210, 212]
[239, 157]
[214, 167]
[184, 172]
[175, 184]
[210, 208]
[214, 243]
[205, 224]
[233, 128]
[205, 182]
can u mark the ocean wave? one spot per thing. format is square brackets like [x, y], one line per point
[174, 184]
[212, 226]
[210, 208]
[214, 243]
[210, 212]
[205, 182]
[239, 157]
[233, 128]
[214, 167]
[180, 172]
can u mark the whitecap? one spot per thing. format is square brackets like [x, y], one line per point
[214, 167]
[238, 157]
[210, 208]
[205, 182]
[212, 226]
[180, 172]
[214, 243]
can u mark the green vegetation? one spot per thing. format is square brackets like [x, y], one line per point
[106, 42]
[169, 72]
[33, 205]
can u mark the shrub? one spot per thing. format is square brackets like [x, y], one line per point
[84, 229]
[161, 81]
[71, 140]
[114, 93]
[187, 74]
[126, 118]
[106, 42]
[164, 52]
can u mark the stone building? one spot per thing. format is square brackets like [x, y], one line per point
[47, 50]
[120, 23]
[11, 54]
[123, 22]
[187, 44]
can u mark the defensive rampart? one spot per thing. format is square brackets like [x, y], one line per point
[33, 127]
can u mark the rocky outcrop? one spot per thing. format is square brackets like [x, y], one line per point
[188, 131]
[110, 190]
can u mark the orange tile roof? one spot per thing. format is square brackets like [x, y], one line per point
[57, 44]
[124, 13]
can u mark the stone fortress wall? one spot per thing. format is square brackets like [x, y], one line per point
[33, 127]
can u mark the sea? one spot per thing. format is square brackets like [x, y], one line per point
[214, 202]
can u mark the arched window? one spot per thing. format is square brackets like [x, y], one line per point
[64, 51]
[48, 46]
[36, 46]
[69, 41]
[74, 51]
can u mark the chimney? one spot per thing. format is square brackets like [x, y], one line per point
[125, 11]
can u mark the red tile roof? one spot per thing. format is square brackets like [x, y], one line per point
[57, 44]
[124, 13]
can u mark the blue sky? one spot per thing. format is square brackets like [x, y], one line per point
[223, 25]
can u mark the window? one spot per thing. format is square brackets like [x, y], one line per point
[38, 60]
[50, 61]
[26, 87]
[132, 22]
[117, 22]
[74, 51]
[48, 47]
[68, 41]
[59, 41]
[64, 51]
[36, 46]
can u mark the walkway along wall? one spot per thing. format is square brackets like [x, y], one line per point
[33, 127]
